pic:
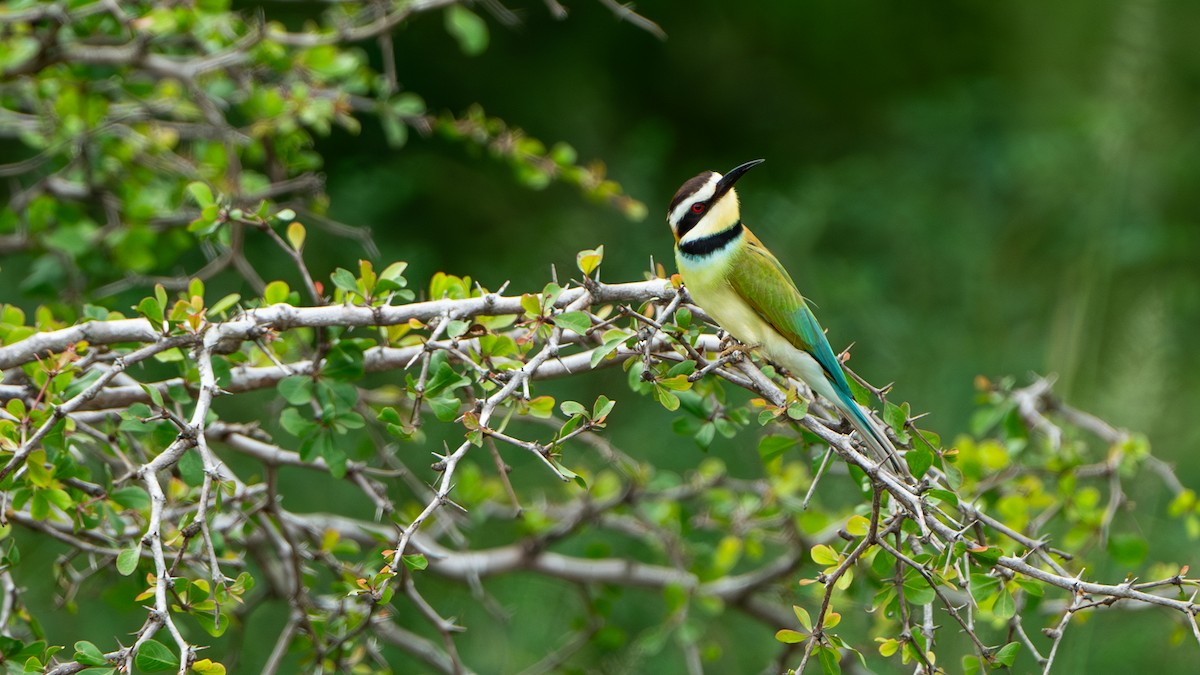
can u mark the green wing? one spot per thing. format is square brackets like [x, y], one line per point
[765, 285]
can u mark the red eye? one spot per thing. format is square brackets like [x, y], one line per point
[698, 207]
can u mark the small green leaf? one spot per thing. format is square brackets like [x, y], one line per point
[466, 27]
[201, 193]
[415, 562]
[570, 408]
[589, 260]
[154, 657]
[602, 408]
[917, 590]
[983, 587]
[295, 424]
[579, 322]
[829, 660]
[803, 617]
[224, 304]
[823, 554]
[127, 560]
[295, 235]
[895, 416]
[296, 389]
[858, 526]
[1005, 607]
[542, 406]
[89, 654]
[152, 310]
[208, 666]
[131, 497]
[1007, 654]
[988, 556]
[919, 460]
[344, 279]
[667, 399]
[276, 293]
[771, 447]
[790, 637]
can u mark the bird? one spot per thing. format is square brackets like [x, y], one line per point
[738, 282]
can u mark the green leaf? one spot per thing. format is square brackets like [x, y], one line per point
[896, 416]
[415, 562]
[803, 617]
[154, 657]
[944, 496]
[344, 362]
[466, 27]
[917, 590]
[131, 497]
[201, 193]
[295, 424]
[191, 469]
[296, 389]
[296, 235]
[790, 637]
[89, 654]
[823, 554]
[224, 304]
[407, 104]
[1005, 607]
[445, 377]
[570, 408]
[208, 666]
[829, 659]
[667, 399]
[612, 340]
[344, 279]
[988, 556]
[331, 452]
[35, 467]
[771, 447]
[541, 407]
[276, 293]
[152, 310]
[919, 460]
[1007, 654]
[858, 526]
[983, 587]
[444, 405]
[127, 560]
[579, 322]
[602, 408]
[588, 260]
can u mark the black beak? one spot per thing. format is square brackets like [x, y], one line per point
[734, 174]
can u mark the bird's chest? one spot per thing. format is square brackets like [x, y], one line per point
[707, 281]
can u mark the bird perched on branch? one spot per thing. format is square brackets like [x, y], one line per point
[738, 282]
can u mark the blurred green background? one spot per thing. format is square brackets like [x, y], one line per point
[962, 188]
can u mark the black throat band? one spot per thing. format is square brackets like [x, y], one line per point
[703, 246]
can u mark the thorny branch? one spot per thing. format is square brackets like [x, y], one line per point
[914, 521]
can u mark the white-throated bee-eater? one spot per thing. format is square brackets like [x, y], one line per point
[740, 284]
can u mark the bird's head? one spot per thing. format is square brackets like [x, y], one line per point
[706, 204]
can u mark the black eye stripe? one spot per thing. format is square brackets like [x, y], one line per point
[691, 219]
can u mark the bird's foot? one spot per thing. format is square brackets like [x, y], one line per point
[730, 346]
